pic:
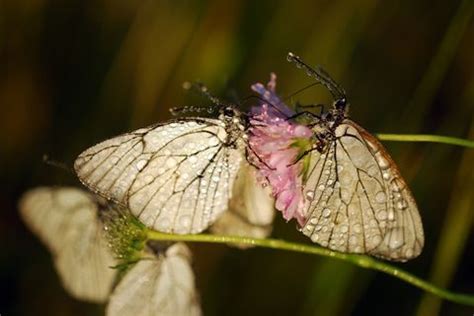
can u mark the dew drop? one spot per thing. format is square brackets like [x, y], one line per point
[382, 162]
[148, 178]
[314, 237]
[213, 141]
[382, 215]
[310, 195]
[141, 164]
[321, 187]
[395, 242]
[185, 221]
[326, 212]
[357, 228]
[114, 159]
[402, 204]
[391, 215]
[170, 162]
[380, 197]
[372, 171]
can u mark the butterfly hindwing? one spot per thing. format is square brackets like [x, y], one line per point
[357, 200]
[251, 208]
[175, 177]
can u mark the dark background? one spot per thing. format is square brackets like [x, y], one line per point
[75, 72]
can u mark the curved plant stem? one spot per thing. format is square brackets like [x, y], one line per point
[427, 138]
[358, 260]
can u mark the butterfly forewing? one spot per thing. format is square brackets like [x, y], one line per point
[162, 285]
[175, 177]
[357, 200]
[67, 222]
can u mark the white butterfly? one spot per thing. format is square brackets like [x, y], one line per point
[357, 201]
[66, 220]
[251, 208]
[161, 284]
[175, 177]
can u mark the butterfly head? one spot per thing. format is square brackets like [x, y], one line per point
[230, 115]
[228, 112]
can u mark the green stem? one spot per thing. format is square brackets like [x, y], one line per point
[358, 260]
[427, 138]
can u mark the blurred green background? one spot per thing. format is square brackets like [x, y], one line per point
[75, 72]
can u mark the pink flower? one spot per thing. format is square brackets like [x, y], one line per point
[272, 142]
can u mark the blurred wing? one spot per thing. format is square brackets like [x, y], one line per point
[357, 200]
[162, 285]
[175, 177]
[66, 220]
[251, 209]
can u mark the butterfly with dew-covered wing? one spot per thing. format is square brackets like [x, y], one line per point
[356, 199]
[175, 177]
[158, 284]
[67, 222]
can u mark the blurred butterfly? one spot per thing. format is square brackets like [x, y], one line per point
[69, 222]
[356, 198]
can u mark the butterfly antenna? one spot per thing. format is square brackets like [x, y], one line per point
[175, 111]
[288, 97]
[320, 75]
[202, 90]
